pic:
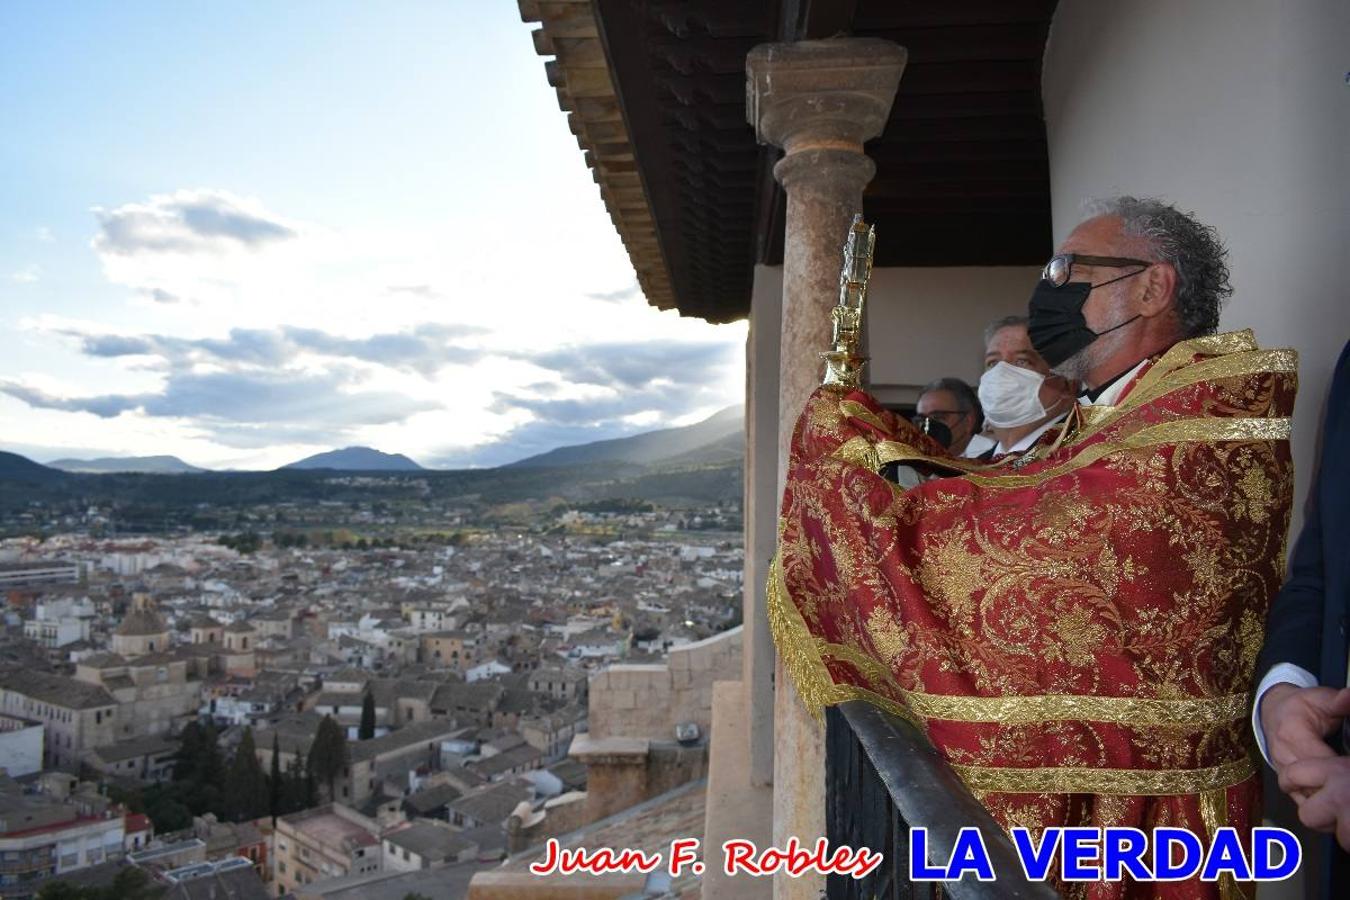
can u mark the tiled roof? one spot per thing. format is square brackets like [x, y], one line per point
[104, 660]
[58, 690]
[429, 841]
[430, 731]
[151, 745]
[141, 623]
[433, 798]
[492, 803]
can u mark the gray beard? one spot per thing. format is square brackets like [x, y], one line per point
[1076, 367]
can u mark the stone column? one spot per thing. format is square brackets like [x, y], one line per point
[819, 101]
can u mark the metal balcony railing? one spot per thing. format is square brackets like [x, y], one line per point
[883, 777]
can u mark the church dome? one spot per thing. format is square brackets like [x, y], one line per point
[141, 623]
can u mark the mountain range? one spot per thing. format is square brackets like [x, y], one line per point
[695, 465]
[716, 440]
[152, 465]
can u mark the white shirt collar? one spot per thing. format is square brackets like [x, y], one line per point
[1026, 442]
[1109, 396]
[978, 445]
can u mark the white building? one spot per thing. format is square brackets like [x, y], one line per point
[20, 746]
[425, 844]
[20, 574]
[56, 633]
[487, 670]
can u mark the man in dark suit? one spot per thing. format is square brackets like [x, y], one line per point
[1302, 699]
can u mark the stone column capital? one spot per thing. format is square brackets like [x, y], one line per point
[834, 93]
[830, 168]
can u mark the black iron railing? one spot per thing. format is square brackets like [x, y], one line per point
[883, 777]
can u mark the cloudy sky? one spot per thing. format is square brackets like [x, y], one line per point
[242, 233]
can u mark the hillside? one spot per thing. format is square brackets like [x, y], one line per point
[23, 470]
[152, 465]
[357, 459]
[703, 442]
[696, 465]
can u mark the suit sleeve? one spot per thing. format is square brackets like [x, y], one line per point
[1294, 624]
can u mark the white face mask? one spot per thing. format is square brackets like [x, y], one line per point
[1011, 395]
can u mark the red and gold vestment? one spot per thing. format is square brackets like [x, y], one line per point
[1075, 630]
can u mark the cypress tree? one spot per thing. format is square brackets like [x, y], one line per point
[309, 789]
[276, 787]
[296, 783]
[328, 754]
[210, 764]
[189, 752]
[246, 786]
[367, 729]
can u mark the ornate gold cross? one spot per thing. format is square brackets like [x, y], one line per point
[843, 364]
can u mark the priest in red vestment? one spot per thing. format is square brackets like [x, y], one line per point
[1075, 628]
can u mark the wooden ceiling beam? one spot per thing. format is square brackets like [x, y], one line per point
[875, 16]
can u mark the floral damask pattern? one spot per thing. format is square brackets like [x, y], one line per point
[1076, 632]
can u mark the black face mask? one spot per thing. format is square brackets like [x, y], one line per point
[935, 429]
[1055, 323]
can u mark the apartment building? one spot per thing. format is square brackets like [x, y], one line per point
[45, 835]
[449, 649]
[329, 841]
[561, 684]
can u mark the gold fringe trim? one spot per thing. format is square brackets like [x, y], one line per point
[1214, 813]
[801, 659]
[1092, 780]
[1031, 709]
[1214, 810]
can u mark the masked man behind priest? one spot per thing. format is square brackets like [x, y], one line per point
[1075, 627]
[1022, 398]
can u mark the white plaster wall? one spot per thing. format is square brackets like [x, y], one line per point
[1240, 111]
[762, 363]
[927, 323]
[21, 751]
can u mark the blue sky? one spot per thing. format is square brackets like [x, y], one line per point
[245, 232]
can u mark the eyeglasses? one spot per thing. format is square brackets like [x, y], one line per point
[935, 428]
[1058, 269]
[938, 413]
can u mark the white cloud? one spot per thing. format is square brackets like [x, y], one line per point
[276, 335]
[188, 222]
[27, 275]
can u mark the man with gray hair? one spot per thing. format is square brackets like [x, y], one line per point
[1133, 279]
